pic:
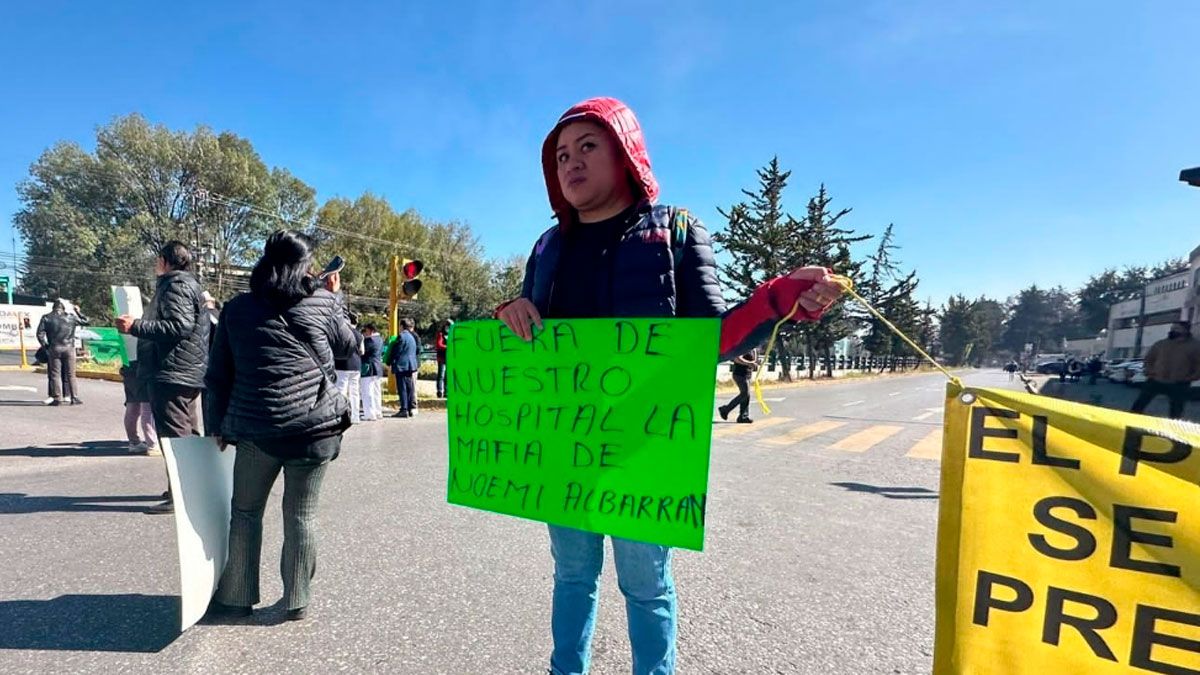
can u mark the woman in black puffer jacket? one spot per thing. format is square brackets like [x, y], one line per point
[272, 392]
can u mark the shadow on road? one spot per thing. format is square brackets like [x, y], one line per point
[84, 449]
[96, 623]
[890, 492]
[17, 403]
[17, 503]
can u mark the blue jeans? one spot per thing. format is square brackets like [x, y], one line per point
[644, 576]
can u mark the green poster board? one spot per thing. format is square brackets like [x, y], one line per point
[602, 425]
[110, 348]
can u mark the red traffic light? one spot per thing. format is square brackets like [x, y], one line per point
[412, 268]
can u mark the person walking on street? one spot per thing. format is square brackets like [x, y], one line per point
[743, 366]
[606, 257]
[371, 387]
[172, 351]
[404, 365]
[1171, 367]
[349, 372]
[439, 346]
[1011, 368]
[56, 333]
[272, 392]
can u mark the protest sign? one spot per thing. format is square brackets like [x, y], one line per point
[602, 425]
[201, 479]
[127, 301]
[1068, 539]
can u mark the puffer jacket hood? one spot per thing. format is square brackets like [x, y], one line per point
[621, 122]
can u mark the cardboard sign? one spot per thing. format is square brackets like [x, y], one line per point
[602, 425]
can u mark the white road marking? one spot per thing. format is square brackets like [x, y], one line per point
[16, 387]
[923, 416]
[776, 400]
[847, 405]
[894, 393]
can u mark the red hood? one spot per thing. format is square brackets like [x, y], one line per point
[618, 119]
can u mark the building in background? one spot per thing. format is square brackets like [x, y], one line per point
[1135, 325]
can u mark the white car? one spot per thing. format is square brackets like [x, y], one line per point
[1112, 367]
[1132, 373]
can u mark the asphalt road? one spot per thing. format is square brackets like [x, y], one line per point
[819, 552]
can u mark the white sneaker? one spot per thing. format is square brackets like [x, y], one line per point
[48, 400]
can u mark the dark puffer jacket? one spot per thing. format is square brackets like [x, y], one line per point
[263, 382]
[172, 338]
[645, 280]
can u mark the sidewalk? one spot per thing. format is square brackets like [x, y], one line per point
[1115, 396]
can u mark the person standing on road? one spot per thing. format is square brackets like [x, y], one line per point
[1171, 366]
[1094, 366]
[743, 366]
[439, 346]
[139, 418]
[1011, 368]
[349, 372]
[404, 366]
[372, 374]
[56, 333]
[272, 392]
[608, 256]
[172, 351]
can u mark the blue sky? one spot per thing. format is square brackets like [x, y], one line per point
[1037, 142]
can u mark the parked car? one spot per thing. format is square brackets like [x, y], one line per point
[1112, 367]
[1125, 374]
[1050, 367]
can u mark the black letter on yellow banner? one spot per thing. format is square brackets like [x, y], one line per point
[984, 601]
[1145, 637]
[979, 431]
[1124, 536]
[1086, 542]
[1089, 629]
[1132, 453]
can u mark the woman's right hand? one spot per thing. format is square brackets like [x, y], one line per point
[520, 316]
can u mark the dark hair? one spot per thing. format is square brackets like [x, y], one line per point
[176, 255]
[282, 273]
[370, 327]
[407, 324]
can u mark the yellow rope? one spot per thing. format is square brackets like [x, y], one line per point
[847, 285]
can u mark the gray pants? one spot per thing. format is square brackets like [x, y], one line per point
[60, 367]
[254, 472]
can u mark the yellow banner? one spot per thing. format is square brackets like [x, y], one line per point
[1068, 539]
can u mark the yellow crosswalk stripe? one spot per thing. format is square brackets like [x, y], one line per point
[800, 433]
[734, 429]
[929, 447]
[867, 438]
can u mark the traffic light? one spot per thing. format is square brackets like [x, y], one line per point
[410, 285]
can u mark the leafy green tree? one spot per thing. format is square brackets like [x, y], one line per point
[93, 219]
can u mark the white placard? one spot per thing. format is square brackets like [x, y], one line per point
[127, 300]
[201, 479]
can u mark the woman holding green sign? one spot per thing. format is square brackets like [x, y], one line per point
[616, 253]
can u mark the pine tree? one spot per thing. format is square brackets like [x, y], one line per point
[763, 243]
[823, 242]
[891, 292]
